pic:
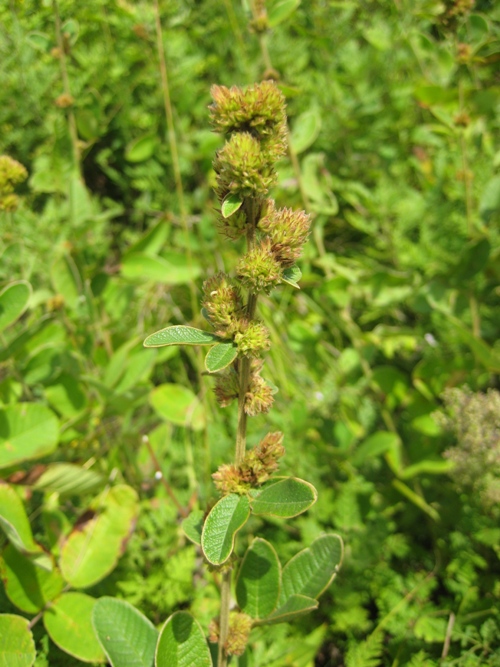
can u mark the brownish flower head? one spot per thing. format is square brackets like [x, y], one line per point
[288, 231]
[65, 100]
[259, 397]
[259, 270]
[240, 625]
[223, 304]
[227, 388]
[253, 340]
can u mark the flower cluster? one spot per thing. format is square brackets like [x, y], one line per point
[258, 397]
[12, 172]
[255, 469]
[240, 625]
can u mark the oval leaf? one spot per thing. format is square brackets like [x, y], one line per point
[230, 205]
[305, 130]
[127, 637]
[281, 10]
[178, 405]
[221, 525]
[14, 521]
[292, 275]
[259, 578]
[27, 431]
[13, 302]
[182, 643]
[27, 586]
[285, 498]
[193, 526]
[68, 622]
[294, 606]
[141, 149]
[94, 546]
[312, 570]
[17, 648]
[180, 335]
[220, 356]
[173, 269]
[68, 479]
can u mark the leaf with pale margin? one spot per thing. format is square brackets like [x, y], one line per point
[13, 302]
[293, 607]
[193, 526]
[230, 205]
[17, 648]
[27, 431]
[312, 570]
[225, 519]
[220, 356]
[127, 637]
[14, 521]
[182, 643]
[291, 276]
[284, 498]
[180, 335]
[259, 579]
[68, 623]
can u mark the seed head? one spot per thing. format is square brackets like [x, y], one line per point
[223, 304]
[288, 231]
[259, 270]
[253, 340]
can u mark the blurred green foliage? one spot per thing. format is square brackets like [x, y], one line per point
[394, 110]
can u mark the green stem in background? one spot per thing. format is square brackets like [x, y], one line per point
[67, 90]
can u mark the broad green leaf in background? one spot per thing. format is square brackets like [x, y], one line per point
[490, 199]
[305, 130]
[376, 444]
[284, 498]
[230, 205]
[17, 648]
[193, 526]
[66, 396]
[292, 275]
[296, 605]
[66, 280]
[94, 546]
[68, 479]
[141, 149]
[259, 579]
[172, 268]
[279, 10]
[226, 518]
[68, 622]
[178, 405]
[27, 586]
[182, 643]
[14, 300]
[127, 637]
[180, 335]
[312, 570]
[220, 356]
[27, 431]
[14, 521]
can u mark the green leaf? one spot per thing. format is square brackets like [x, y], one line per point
[490, 199]
[312, 570]
[220, 356]
[127, 637]
[66, 281]
[94, 546]
[14, 521]
[141, 149]
[182, 643]
[27, 431]
[180, 335]
[230, 205]
[293, 607]
[292, 275]
[305, 130]
[27, 586]
[376, 444]
[17, 648]
[193, 526]
[225, 519]
[69, 624]
[173, 269]
[259, 578]
[281, 10]
[284, 498]
[427, 467]
[178, 405]
[13, 302]
[68, 479]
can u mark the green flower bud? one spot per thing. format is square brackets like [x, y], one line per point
[242, 168]
[259, 270]
[288, 231]
[11, 173]
[223, 304]
[253, 340]
[259, 109]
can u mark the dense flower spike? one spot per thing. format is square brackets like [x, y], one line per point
[253, 339]
[259, 270]
[223, 304]
[259, 395]
[288, 231]
[12, 172]
[259, 109]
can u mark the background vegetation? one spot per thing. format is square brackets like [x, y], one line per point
[394, 110]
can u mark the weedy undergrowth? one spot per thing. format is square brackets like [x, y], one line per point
[253, 121]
